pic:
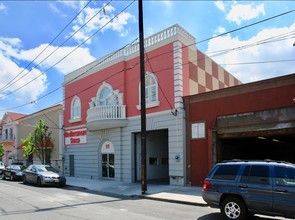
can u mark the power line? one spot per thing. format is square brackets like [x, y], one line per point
[11, 81]
[276, 38]
[148, 60]
[246, 26]
[259, 62]
[43, 112]
[86, 71]
[77, 47]
[55, 51]
[228, 32]
[159, 54]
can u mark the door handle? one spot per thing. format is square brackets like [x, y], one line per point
[243, 186]
[281, 190]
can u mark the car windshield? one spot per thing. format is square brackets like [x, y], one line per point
[17, 167]
[45, 169]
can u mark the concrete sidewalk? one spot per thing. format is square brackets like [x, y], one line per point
[178, 194]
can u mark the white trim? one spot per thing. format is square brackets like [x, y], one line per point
[71, 120]
[107, 148]
[149, 105]
[75, 120]
[164, 37]
[74, 127]
[154, 103]
[178, 74]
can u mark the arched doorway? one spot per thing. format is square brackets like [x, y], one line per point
[108, 160]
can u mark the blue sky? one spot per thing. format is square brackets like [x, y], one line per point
[27, 28]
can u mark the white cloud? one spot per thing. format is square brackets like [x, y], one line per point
[220, 5]
[240, 13]
[73, 4]
[167, 3]
[9, 70]
[9, 46]
[100, 21]
[273, 51]
[54, 7]
[3, 7]
[76, 58]
[220, 30]
[33, 82]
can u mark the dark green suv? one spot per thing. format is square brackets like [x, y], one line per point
[244, 188]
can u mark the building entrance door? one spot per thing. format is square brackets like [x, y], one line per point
[72, 165]
[108, 160]
[108, 165]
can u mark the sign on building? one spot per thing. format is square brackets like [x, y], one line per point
[78, 136]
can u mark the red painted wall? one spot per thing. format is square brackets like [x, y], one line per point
[125, 76]
[208, 110]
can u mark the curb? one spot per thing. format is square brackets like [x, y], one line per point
[146, 196]
[173, 201]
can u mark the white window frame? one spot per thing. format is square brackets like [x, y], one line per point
[107, 100]
[148, 92]
[75, 116]
[198, 130]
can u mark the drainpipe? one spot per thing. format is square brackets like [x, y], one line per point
[61, 140]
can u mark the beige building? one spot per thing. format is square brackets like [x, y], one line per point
[53, 118]
[8, 134]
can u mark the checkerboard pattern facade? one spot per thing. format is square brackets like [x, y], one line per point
[206, 75]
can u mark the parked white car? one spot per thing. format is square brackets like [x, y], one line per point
[2, 167]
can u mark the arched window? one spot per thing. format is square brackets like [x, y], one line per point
[151, 88]
[105, 96]
[151, 91]
[76, 109]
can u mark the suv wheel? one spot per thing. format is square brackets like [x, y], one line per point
[233, 208]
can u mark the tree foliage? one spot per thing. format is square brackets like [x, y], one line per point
[28, 147]
[2, 151]
[40, 143]
[43, 142]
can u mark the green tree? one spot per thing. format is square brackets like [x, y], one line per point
[2, 151]
[40, 144]
[29, 148]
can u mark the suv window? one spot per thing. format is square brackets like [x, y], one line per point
[284, 176]
[226, 172]
[256, 174]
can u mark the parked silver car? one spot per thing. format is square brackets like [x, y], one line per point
[43, 175]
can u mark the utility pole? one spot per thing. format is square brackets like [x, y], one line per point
[142, 100]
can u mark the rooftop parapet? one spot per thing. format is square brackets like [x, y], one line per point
[170, 34]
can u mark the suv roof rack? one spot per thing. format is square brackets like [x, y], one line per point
[265, 160]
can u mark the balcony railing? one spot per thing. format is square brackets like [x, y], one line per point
[7, 137]
[103, 117]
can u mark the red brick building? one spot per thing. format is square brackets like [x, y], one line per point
[249, 121]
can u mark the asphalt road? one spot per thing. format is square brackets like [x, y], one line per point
[19, 201]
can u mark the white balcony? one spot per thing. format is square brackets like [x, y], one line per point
[104, 117]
